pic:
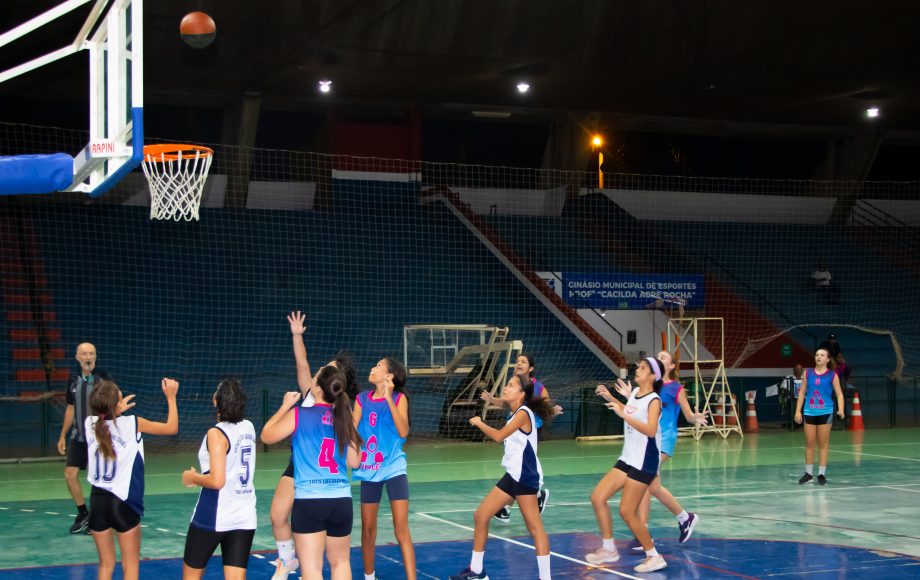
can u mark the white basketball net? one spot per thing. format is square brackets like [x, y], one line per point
[176, 181]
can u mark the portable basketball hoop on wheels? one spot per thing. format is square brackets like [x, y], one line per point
[176, 174]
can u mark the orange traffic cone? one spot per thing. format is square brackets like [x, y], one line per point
[750, 417]
[856, 420]
[733, 412]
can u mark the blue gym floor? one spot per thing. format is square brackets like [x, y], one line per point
[756, 521]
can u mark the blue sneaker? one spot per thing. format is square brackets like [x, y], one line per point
[467, 574]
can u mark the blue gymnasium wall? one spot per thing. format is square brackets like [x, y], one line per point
[780, 274]
[201, 300]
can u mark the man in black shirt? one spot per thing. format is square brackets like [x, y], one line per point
[72, 442]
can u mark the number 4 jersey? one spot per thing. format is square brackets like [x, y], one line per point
[320, 471]
[232, 507]
[123, 476]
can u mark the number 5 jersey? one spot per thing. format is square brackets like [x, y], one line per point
[232, 507]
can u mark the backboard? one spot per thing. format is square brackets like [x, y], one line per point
[112, 33]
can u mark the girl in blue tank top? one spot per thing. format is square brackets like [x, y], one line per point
[283, 498]
[815, 406]
[381, 416]
[325, 444]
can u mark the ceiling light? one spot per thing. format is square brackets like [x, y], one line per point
[325, 86]
[597, 141]
[872, 112]
[523, 87]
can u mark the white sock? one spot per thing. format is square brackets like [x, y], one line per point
[369, 576]
[822, 469]
[651, 553]
[476, 561]
[682, 517]
[609, 545]
[809, 467]
[543, 565]
[286, 550]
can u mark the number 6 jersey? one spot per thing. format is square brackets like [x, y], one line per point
[123, 476]
[232, 507]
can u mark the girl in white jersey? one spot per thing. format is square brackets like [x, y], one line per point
[283, 499]
[522, 480]
[225, 514]
[116, 472]
[636, 468]
[674, 400]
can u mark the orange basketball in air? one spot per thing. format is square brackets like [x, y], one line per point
[197, 29]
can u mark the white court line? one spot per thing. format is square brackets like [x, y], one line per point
[259, 556]
[874, 455]
[162, 530]
[528, 546]
[899, 489]
[180, 534]
[25, 510]
[399, 562]
[52, 513]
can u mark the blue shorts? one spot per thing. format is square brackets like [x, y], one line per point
[668, 441]
[397, 488]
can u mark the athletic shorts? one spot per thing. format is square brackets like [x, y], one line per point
[333, 516]
[106, 512]
[635, 474]
[234, 547]
[668, 441]
[289, 470]
[76, 454]
[514, 488]
[397, 488]
[819, 419]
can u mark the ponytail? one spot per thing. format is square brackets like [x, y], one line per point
[541, 407]
[103, 400]
[333, 383]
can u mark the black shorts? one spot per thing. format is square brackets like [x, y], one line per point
[397, 488]
[333, 516]
[234, 547]
[76, 454]
[289, 470]
[514, 488]
[635, 474]
[106, 512]
[819, 419]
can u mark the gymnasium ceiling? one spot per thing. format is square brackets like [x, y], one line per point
[789, 62]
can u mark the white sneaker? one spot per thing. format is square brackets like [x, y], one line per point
[652, 564]
[283, 568]
[602, 556]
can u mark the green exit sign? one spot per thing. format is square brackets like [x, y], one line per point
[785, 350]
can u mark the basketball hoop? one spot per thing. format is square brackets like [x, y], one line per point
[176, 174]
